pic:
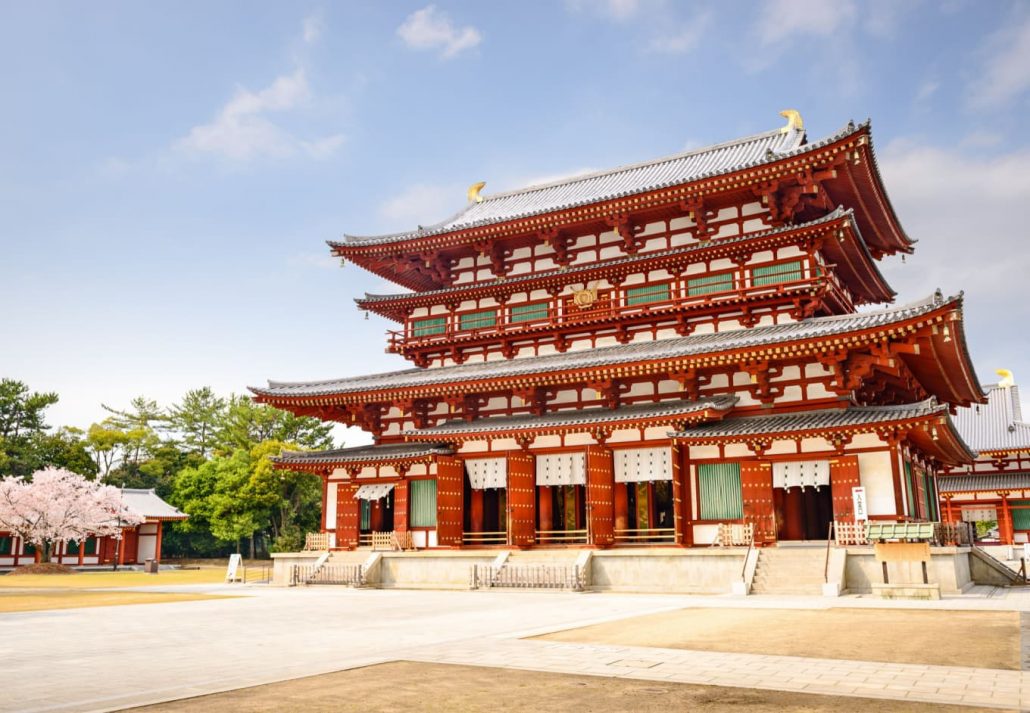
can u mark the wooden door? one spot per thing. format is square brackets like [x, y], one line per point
[756, 492]
[348, 515]
[450, 501]
[600, 496]
[521, 499]
[844, 477]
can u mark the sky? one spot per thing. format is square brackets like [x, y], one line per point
[170, 172]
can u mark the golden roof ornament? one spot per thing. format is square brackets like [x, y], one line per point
[794, 121]
[473, 192]
[1007, 379]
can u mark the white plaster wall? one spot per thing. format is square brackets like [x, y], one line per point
[330, 506]
[699, 452]
[876, 476]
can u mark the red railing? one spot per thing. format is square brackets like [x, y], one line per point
[614, 309]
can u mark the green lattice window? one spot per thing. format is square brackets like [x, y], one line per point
[707, 284]
[71, 547]
[776, 274]
[910, 491]
[478, 320]
[5, 545]
[718, 485]
[422, 497]
[649, 293]
[1020, 516]
[428, 327]
[91, 546]
[533, 312]
[365, 513]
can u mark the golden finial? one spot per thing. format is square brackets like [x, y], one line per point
[473, 192]
[794, 122]
[1007, 379]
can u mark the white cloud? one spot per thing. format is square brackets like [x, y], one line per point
[926, 90]
[430, 29]
[969, 213]
[242, 131]
[313, 27]
[781, 20]
[683, 40]
[1006, 71]
[422, 204]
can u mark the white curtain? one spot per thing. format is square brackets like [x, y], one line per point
[487, 473]
[373, 492]
[801, 473]
[640, 465]
[561, 469]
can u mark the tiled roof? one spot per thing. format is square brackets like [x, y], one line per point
[570, 272]
[979, 483]
[582, 417]
[393, 451]
[812, 420]
[697, 344]
[149, 505]
[619, 182]
[996, 425]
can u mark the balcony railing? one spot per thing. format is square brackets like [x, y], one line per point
[652, 536]
[561, 537]
[614, 308]
[485, 538]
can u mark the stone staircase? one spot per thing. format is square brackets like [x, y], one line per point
[789, 570]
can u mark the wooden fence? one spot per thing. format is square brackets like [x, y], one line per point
[528, 576]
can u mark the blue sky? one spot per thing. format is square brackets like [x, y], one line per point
[169, 172]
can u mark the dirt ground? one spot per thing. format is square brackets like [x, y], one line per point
[19, 600]
[406, 686]
[121, 578]
[958, 638]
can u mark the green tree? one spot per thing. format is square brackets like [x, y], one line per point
[21, 411]
[197, 419]
[27, 444]
[246, 424]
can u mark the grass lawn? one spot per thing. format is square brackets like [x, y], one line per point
[407, 686]
[13, 600]
[944, 638]
[105, 579]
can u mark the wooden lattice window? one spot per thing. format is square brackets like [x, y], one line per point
[776, 274]
[648, 293]
[365, 516]
[71, 547]
[718, 486]
[478, 320]
[91, 546]
[707, 284]
[532, 312]
[422, 495]
[429, 327]
[5, 545]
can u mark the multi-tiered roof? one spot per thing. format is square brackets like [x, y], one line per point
[754, 254]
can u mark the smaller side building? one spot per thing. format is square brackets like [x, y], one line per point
[994, 490]
[137, 545]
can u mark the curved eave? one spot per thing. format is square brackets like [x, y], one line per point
[711, 411]
[364, 253]
[863, 276]
[322, 463]
[862, 188]
[943, 364]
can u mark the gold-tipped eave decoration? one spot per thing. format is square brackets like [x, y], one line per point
[794, 121]
[473, 192]
[1007, 379]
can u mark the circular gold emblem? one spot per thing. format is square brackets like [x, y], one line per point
[584, 298]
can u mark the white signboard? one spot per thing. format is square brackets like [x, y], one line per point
[233, 573]
[858, 498]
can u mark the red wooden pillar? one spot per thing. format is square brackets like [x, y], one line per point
[521, 499]
[545, 508]
[450, 483]
[899, 506]
[400, 507]
[124, 545]
[950, 517]
[600, 500]
[756, 491]
[682, 497]
[326, 526]
[1005, 528]
[157, 551]
[348, 515]
[476, 510]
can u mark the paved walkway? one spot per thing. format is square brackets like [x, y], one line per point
[115, 657]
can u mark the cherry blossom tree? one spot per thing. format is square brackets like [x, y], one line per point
[58, 505]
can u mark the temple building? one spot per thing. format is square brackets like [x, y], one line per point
[655, 355]
[137, 544]
[994, 490]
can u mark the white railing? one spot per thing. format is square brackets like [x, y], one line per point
[316, 541]
[735, 534]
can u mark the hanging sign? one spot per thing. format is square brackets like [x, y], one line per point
[858, 498]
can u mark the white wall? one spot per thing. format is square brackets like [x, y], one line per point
[877, 477]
